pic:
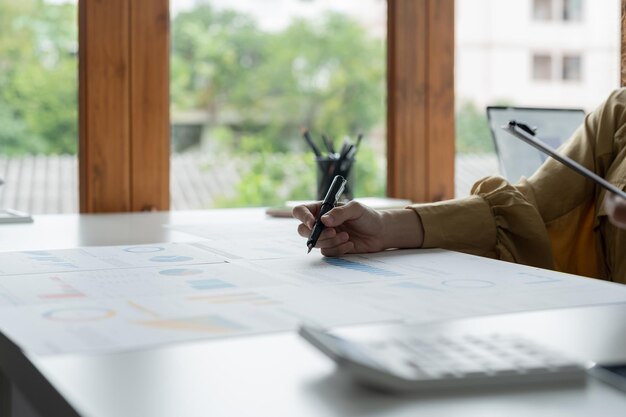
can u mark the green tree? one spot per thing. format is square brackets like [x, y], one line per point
[326, 75]
[472, 130]
[38, 77]
[259, 88]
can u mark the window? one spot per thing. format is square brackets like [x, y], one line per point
[572, 10]
[38, 106]
[565, 10]
[245, 78]
[572, 68]
[507, 54]
[542, 9]
[542, 67]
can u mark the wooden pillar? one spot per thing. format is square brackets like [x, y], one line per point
[123, 105]
[420, 119]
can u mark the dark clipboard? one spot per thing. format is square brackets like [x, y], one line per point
[525, 133]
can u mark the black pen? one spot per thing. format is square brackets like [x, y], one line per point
[358, 140]
[329, 145]
[309, 140]
[331, 199]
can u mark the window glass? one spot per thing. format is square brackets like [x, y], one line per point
[38, 105]
[247, 76]
[520, 53]
[572, 68]
[572, 10]
[542, 67]
[542, 9]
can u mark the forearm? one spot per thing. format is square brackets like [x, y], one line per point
[402, 229]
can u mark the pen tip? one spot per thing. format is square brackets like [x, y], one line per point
[309, 249]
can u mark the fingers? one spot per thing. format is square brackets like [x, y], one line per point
[306, 213]
[346, 247]
[331, 242]
[329, 236]
[341, 214]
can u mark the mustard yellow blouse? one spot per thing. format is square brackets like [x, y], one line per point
[555, 219]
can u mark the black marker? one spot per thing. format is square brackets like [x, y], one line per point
[331, 199]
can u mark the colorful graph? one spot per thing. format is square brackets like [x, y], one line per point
[209, 284]
[360, 267]
[180, 272]
[206, 324]
[170, 258]
[79, 314]
[49, 259]
[144, 249]
[250, 297]
[63, 291]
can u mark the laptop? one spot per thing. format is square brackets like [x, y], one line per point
[517, 159]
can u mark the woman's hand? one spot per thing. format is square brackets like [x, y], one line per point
[616, 209]
[355, 228]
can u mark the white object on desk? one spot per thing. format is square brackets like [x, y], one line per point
[439, 360]
[14, 216]
[378, 203]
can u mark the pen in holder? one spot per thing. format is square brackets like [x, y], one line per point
[330, 166]
[333, 163]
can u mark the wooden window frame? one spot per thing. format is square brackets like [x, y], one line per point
[124, 123]
[420, 101]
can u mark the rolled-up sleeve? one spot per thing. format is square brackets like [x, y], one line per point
[496, 221]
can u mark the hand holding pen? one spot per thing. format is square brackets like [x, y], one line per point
[331, 199]
[356, 228]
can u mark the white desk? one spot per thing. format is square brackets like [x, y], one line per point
[275, 375]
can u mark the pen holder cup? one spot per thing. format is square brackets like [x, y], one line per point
[327, 169]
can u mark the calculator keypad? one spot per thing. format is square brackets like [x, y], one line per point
[423, 358]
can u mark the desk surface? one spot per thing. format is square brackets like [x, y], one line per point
[279, 374]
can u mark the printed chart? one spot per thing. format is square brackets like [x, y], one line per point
[107, 257]
[106, 299]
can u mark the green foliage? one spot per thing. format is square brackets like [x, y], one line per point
[38, 77]
[472, 130]
[259, 88]
[326, 75]
[273, 178]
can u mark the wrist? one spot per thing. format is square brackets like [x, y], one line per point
[402, 229]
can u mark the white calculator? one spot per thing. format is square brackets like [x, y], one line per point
[440, 361]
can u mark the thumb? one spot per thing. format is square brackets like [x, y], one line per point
[341, 214]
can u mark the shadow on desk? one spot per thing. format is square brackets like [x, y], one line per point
[347, 398]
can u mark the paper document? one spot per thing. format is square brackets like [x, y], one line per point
[107, 257]
[106, 299]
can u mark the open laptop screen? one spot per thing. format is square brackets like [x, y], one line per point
[516, 158]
